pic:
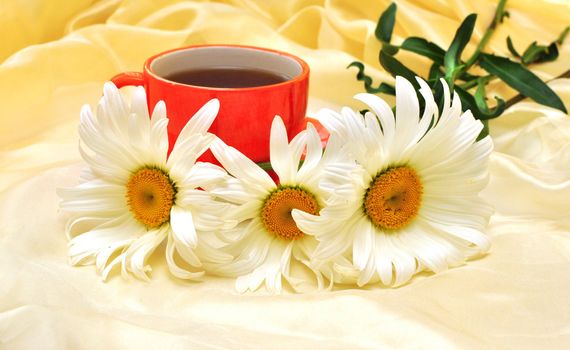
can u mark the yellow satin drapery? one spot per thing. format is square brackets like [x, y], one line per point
[56, 56]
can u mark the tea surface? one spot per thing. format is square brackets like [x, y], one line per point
[225, 77]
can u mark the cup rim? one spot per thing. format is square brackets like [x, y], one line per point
[302, 76]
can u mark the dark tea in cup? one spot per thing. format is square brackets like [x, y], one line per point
[227, 77]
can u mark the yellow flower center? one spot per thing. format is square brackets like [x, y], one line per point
[150, 196]
[393, 198]
[276, 211]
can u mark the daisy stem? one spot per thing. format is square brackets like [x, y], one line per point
[499, 14]
[265, 165]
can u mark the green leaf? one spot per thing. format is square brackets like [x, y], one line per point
[438, 94]
[386, 23]
[549, 55]
[562, 35]
[539, 53]
[424, 48]
[390, 49]
[485, 130]
[453, 55]
[522, 80]
[395, 67]
[531, 52]
[480, 99]
[470, 102]
[361, 76]
[535, 53]
[511, 47]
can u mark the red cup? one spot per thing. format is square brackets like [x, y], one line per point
[245, 116]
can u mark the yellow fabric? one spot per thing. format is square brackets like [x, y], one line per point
[517, 297]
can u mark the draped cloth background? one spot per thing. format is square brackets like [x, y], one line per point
[56, 56]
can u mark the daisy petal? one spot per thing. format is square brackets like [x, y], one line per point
[383, 112]
[313, 157]
[333, 122]
[104, 255]
[139, 106]
[240, 166]
[405, 267]
[183, 226]
[158, 113]
[251, 250]
[116, 108]
[212, 254]
[186, 253]
[245, 211]
[272, 267]
[367, 272]
[202, 120]
[173, 267]
[185, 153]
[363, 244]
[204, 175]
[340, 242]
[116, 261]
[84, 247]
[296, 147]
[308, 223]
[407, 114]
[383, 252]
[158, 131]
[468, 234]
[279, 149]
[139, 251]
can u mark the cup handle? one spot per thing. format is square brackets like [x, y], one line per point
[128, 79]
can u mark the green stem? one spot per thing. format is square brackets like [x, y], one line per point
[499, 13]
[265, 166]
[468, 85]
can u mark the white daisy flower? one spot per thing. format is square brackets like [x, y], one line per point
[267, 238]
[413, 199]
[132, 196]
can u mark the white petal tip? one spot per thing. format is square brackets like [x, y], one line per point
[109, 87]
[212, 107]
[215, 103]
[362, 95]
[86, 109]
